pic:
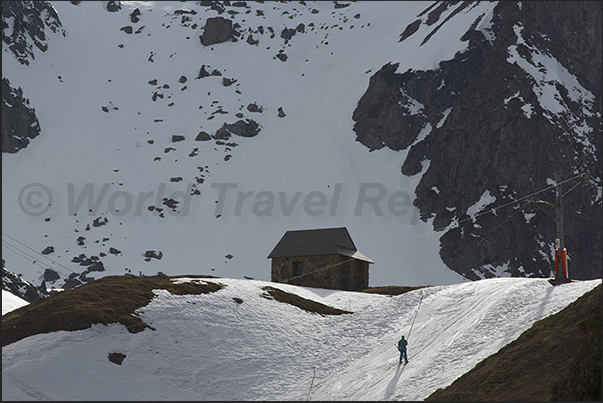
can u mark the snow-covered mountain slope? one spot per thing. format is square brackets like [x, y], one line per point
[252, 137]
[109, 104]
[211, 347]
[10, 302]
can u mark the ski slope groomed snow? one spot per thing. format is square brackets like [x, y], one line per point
[210, 347]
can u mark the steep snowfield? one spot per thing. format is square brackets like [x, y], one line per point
[10, 302]
[209, 347]
[311, 150]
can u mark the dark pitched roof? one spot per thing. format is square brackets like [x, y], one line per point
[312, 242]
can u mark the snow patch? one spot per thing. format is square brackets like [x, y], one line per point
[486, 199]
[10, 302]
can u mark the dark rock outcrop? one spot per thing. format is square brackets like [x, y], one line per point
[29, 22]
[14, 284]
[114, 251]
[204, 73]
[479, 121]
[217, 30]
[153, 254]
[134, 16]
[51, 275]
[27, 31]
[48, 250]
[19, 120]
[243, 128]
[71, 283]
[203, 136]
[113, 6]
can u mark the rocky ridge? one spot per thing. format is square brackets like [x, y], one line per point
[478, 130]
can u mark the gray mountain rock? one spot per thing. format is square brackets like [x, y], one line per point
[479, 121]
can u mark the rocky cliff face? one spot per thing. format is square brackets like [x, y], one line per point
[13, 283]
[19, 120]
[492, 126]
[24, 26]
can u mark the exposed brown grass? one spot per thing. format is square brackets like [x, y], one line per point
[110, 299]
[300, 302]
[391, 289]
[558, 358]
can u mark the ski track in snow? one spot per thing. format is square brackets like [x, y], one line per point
[209, 347]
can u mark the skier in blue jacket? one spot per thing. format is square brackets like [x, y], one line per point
[402, 348]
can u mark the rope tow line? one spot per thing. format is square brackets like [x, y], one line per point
[413, 321]
[443, 228]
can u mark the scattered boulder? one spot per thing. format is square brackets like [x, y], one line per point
[288, 33]
[227, 82]
[134, 16]
[84, 278]
[254, 108]
[153, 254]
[51, 275]
[204, 73]
[127, 29]
[113, 6]
[48, 250]
[203, 136]
[243, 128]
[222, 133]
[114, 251]
[86, 262]
[171, 203]
[217, 30]
[116, 358]
[97, 266]
[99, 221]
[78, 259]
[71, 283]
[214, 5]
[156, 94]
[177, 137]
